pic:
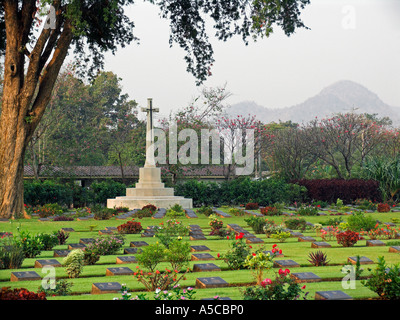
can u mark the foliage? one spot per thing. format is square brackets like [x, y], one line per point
[329, 233]
[73, 263]
[282, 288]
[11, 255]
[6, 293]
[380, 233]
[109, 244]
[130, 227]
[386, 170]
[48, 191]
[318, 258]
[365, 204]
[252, 206]
[104, 214]
[62, 236]
[384, 281]
[347, 238]
[239, 191]
[295, 223]
[175, 211]
[107, 189]
[270, 211]
[48, 240]
[170, 230]
[236, 256]
[146, 212]
[330, 190]
[259, 262]
[31, 244]
[62, 288]
[358, 221]
[383, 207]
[281, 236]
[307, 210]
[207, 211]
[256, 223]
[151, 256]
[48, 210]
[178, 254]
[236, 212]
[270, 228]
[91, 254]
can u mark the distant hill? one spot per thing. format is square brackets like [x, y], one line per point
[340, 97]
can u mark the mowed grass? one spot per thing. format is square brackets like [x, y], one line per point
[331, 274]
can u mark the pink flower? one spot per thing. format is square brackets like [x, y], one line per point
[266, 282]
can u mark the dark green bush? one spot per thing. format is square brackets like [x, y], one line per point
[48, 191]
[107, 189]
[240, 191]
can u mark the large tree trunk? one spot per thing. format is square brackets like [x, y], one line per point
[26, 93]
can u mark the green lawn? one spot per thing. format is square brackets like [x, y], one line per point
[292, 249]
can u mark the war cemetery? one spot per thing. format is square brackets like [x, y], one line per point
[106, 198]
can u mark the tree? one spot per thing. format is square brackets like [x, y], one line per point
[33, 57]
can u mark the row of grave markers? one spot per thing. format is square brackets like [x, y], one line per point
[201, 282]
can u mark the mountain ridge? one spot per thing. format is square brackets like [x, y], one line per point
[340, 97]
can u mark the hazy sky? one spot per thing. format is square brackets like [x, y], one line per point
[349, 40]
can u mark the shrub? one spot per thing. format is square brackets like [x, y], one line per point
[320, 204]
[258, 263]
[207, 211]
[62, 236]
[48, 191]
[151, 256]
[235, 257]
[101, 191]
[237, 212]
[20, 294]
[104, 214]
[130, 227]
[109, 244]
[171, 230]
[270, 228]
[63, 218]
[178, 254]
[383, 207]
[384, 281]
[74, 263]
[281, 236]
[31, 244]
[62, 288]
[307, 210]
[256, 223]
[49, 241]
[348, 190]
[91, 254]
[318, 258]
[175, 211]
[270, 211]
[365, 204]
[347, 238]
[11, 255]
[358, 221]
[143, 213]
[121, 209]
[150, 207]
[252, 206]
[48, 210]
[282, 288]
[295, 223]
[240, 191]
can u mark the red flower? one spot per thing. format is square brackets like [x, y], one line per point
[303, 287]
[274, 245]
[218, 255]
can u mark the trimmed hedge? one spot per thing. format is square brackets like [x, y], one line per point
[50, 191]
[330, 190]
[240, 191]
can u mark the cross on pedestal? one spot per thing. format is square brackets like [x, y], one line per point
[149, 132]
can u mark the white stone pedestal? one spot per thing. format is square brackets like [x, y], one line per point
[149, 190]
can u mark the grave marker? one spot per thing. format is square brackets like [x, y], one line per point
[395, 249]
[61, 253]
[305, 277]
[211, 282]
[24, 276]
[363, 260]
[106, 287]
[136, 244]
[126, 259]
[202, 256]
[199, 248]
[119, 271]
[306, 239]
[375, 243]
[332, 295]
[320, 244]
[73, 246]
[285, 264]
[47, 262]
[204, 267]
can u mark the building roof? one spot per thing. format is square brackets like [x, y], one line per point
[114, 171]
